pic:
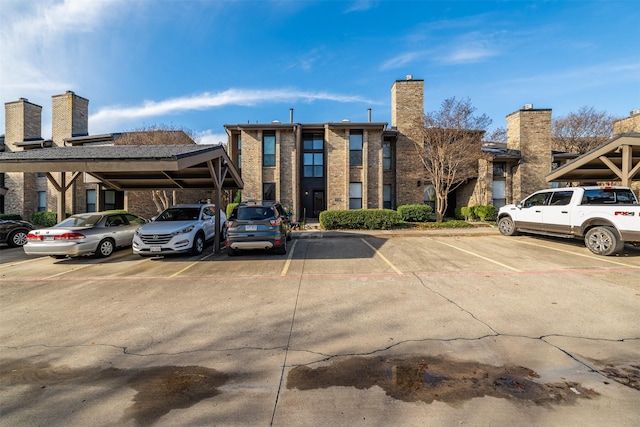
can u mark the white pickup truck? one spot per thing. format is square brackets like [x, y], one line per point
[606, 217]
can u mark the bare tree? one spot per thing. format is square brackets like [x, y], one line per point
[158, 135]
[449, 148]
[582, 131]
[497, 135]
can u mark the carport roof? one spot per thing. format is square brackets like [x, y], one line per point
[616, 160]
[130, 167]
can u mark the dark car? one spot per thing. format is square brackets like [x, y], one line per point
[13, 232]
[258, 225]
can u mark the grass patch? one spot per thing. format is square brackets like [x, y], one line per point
[453, 223]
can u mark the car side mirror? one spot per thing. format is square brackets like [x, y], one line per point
[519, 204]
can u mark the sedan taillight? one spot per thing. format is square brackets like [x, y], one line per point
[70, 236]
[32, 237]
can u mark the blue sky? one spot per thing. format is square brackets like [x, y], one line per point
[199, 65]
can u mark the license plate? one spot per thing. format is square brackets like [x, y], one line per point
[251, 228]
[155, 249]
[48, 238]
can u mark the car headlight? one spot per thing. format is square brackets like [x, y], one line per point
[184, 230]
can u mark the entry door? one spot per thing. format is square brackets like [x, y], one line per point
[318, 202]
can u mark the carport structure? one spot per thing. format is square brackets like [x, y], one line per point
[131, 167]
[616, 160]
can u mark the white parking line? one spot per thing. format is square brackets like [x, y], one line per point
[393, 267]
[595, 257]
[476, 255]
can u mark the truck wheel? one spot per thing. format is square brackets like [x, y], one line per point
[603, 241]
[198, 245]
[506, 226]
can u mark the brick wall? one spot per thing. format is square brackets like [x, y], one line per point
[407, 115]
[23, 120]
[337, 160]
[627, 125]
[529, 130]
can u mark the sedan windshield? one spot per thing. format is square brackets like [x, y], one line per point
[80, 221]
[179, 214]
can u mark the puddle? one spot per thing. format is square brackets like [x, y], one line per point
[428, 379]
[159, 389]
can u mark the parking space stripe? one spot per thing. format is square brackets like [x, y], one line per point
[285, 269]
[393, 267]
[595, 257]
[477, 255]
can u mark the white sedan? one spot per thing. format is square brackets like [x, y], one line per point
[93, 233]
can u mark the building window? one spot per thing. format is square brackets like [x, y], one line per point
[42, 201]
[355, 148]
[386, 156]
[499, 170]
[499, 193]
[268, 149]
[355, 195]
[386, 196]
[269, 191]
[91, 200]
[239, 151]
[109, 200]
[313, 156]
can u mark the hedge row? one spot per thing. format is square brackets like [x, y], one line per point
[43, 218]
[415, 213]
[10, 216]
[483, 212]
[359, 219]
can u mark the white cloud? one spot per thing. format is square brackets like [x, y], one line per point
[401, 60]
[210, 138]
[36, 39]
[245, 97]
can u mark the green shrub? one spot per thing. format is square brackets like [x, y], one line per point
[10, 216]
[359, 219]
[415, 213]
[238, 197]
[458, 213]
[467, 212]
[43, 218]
[486, 212]
[230, 207]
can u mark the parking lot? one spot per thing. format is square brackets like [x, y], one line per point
[348, 328]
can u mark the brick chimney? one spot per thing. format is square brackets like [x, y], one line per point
[529, 130]
[22, 120]
[407, 116]
[69, 117]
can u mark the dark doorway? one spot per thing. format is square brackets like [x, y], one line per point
[318, 202]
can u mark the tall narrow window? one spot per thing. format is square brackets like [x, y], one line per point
[386, 196]
[355, 148]
[239, 151]
[42, 201]
[386, 156]
[269, 191]
[109, 200]
[355, 195]
[91, 200]
[313, 155]
[268, 149]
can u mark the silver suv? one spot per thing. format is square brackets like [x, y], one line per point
[179, 229]
[258, 225]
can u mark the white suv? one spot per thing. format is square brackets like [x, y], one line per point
[179, 229]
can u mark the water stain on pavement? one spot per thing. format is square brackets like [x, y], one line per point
[159, 389]
[427, 379]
